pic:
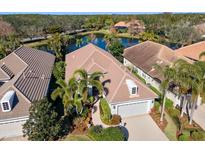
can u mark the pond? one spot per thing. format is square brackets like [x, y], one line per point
[98, 41]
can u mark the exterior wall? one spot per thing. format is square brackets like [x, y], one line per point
[151, 81]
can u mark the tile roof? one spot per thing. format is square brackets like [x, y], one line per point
[36, 75]
[121, 24]
[192, 51]
[92, 58]
[30, 73]
[145, 55]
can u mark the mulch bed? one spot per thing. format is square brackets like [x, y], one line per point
[156, 117]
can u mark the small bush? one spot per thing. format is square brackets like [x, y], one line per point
[115, 120]
[106, 134]
[183, 137]
[173, 112]
[168, 104]
[155, 90]
[197, 136]
[156, 106]
[105, 112]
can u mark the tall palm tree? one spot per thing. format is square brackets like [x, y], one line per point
[109, 38]
[55, 44]
[169, 75]
[87, 81]
[66, 92]
[79, 42]
[182, 82]
[197, 82]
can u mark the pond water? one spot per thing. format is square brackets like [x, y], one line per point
[98, 41]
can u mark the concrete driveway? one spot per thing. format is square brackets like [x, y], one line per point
[143, 128]
[11, 130]
[199, 116]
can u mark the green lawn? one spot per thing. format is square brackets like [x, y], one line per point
[171, 128]
[77, 138]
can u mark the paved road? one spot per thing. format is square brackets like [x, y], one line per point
[199, 116]
[11, 130]
[143, 128]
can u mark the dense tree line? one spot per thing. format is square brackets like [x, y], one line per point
[32, 25]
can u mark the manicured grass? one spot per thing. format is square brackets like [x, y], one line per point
[37, 43]
[98, 133]
[77, 138]
[171, 128]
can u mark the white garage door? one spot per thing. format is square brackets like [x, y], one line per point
[133, 109]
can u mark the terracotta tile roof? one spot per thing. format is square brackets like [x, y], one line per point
[92, 58]
[31, 72]
[192, 51]
[145, 55]
[121, 24]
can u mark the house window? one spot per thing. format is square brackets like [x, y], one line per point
[134, 90]
[5, 106]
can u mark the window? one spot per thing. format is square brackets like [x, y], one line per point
[5, 106]
[134, 90]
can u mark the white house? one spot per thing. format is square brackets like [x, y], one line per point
[127, 95]
[142, 58]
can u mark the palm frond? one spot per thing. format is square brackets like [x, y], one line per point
[202, 55]
[57, 92]
[82, 73]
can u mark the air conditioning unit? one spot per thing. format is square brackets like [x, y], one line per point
[7, 101]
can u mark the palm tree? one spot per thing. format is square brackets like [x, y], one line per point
[87, 81]
[79, 42]
[109, 38]
[182, 82]
[55, 44]
[66, 92]
[169, 75]
[197, 82]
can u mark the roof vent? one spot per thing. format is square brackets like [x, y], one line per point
[7, 101]
[132, 87]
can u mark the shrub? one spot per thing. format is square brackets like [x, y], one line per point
[197, 136]
[106, 134]
[173, 112]
[183, 137]
[105, 112]
[168, 104]
[115, 120]
[155, 90]
[156, 106]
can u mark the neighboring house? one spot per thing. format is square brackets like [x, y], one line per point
[121, 25]
[142, 58]
[24, 77]
[134, 26]
[127, 96]
[192, 51]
